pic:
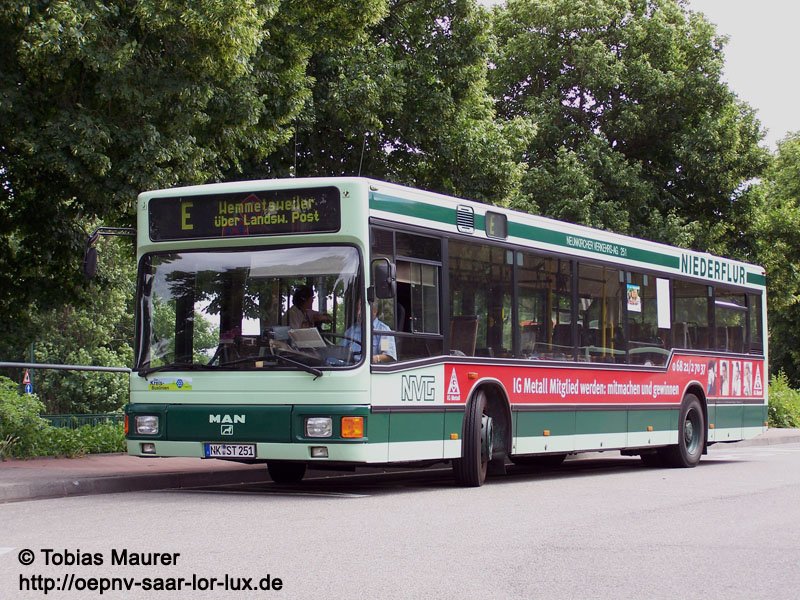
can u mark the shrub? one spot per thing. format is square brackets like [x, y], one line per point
[784, 402]
[89, 439]
[24, 434]
[21, 427]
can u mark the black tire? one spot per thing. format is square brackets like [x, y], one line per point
[286, 472]
[546, 460]
[476, 444]
[691, 436]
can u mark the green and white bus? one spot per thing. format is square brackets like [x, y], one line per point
[488, 334]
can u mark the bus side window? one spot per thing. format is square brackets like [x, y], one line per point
[415, 309]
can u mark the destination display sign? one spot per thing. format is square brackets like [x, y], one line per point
[242, 214]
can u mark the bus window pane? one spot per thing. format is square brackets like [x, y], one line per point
[545, 307]
[646, 342]
[480, 299]
[690, 322]
[228, 308]
[756, 334]
[419, 246]
[730, 314]
[601, 297]
[382, 243]
[418, 294]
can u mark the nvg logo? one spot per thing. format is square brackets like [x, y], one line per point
[418, 388]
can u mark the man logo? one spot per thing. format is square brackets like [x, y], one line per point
[226, 419]
[226, 430]
[418, 388]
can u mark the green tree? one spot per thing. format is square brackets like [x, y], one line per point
[774, 241]
[97, 329]
[408, 103]
[101, 100]
[636, 130]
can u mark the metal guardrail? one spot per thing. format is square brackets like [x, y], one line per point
[73, 421]
[21, 365]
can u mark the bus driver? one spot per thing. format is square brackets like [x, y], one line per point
[301, 314]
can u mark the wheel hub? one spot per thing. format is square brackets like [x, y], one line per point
[487, 446]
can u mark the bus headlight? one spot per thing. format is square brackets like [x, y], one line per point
[147, 424]
[319, 427]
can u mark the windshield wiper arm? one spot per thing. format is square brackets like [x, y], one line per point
[198, 366]
[178, 366]
[317, 373]
[279, 358]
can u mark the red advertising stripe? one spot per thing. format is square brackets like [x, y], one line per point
[542, 384]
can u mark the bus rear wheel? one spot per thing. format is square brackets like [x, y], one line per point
[286, 472]
[691, 435]
[476, 444]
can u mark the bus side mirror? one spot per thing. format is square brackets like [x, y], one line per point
[384, 278]
[90, 255]
[90, 262]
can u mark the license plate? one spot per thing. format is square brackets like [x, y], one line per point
[230, 450]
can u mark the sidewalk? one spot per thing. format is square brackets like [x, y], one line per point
[112, 473]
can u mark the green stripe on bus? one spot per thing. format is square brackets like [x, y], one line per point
[659, 420]
[411, 208]
[601, 421]
[438, 214]
[557, 238]
[416, 427]
[729, 416]
[756, 279]
[536, 423]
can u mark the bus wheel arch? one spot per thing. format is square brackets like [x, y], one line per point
[486, 434]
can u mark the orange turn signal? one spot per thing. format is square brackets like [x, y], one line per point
[352, 427]
[126, 425]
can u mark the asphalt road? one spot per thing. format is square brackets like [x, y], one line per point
[602, 527]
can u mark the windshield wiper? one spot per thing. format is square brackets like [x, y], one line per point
[278, 358]
[177, 366]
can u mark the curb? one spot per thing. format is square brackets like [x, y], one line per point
[112, 484]
[767, 440]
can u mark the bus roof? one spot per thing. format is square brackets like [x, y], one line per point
[444, 213]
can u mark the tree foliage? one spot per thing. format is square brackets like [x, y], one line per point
[99, 101]
[408, 103]
[774, 236]
[96, 329]
[102, 100]
[637, 131]
[611, 113]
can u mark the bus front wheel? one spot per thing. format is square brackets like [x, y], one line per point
[476, 444]
[286, 472]
[691, 435]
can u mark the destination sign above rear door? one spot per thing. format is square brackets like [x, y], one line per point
[243, 214]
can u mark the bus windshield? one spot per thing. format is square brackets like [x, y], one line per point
[237, 309]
